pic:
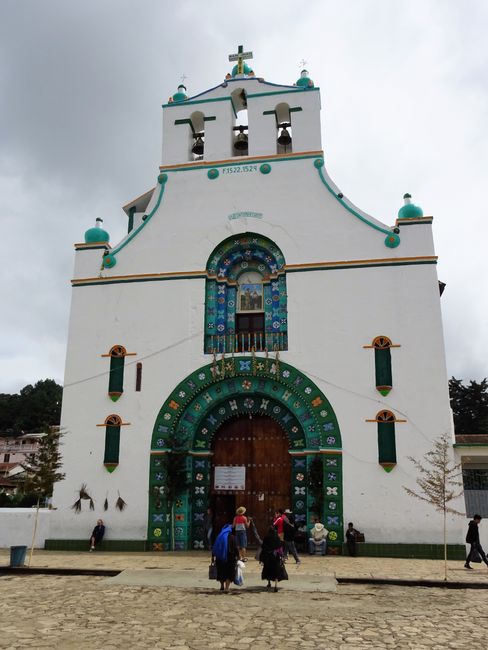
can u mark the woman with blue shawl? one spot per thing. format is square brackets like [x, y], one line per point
[226, 554]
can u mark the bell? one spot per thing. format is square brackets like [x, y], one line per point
[241, 143]
[285, 138]
[197, 148]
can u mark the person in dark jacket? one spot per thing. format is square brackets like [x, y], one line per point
[351, 535]
[97, 534]
[272, 559]
[473, 538]
[289, 533]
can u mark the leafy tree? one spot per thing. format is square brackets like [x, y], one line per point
[438, 482]
[33, 408]
[43, 471]
[469, 405]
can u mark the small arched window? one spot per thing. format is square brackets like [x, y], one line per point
[116, 379]
[112, 442]
[386, 439]
[382, 362]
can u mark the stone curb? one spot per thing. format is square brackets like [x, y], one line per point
[399, 582]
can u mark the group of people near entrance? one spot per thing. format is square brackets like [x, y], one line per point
[230, 546]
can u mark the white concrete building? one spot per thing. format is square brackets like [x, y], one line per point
[255, 320]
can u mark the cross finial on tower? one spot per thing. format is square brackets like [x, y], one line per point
[183, 77]
[303, 63]
[239, 57]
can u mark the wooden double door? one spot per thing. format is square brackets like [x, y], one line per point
[262, 447]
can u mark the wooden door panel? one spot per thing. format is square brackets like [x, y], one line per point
[262, 446]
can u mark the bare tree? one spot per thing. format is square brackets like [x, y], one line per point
[438, 482]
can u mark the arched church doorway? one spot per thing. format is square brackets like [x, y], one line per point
[251, 467]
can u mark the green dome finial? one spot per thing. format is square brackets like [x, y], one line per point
[97, 234]
[304, 81]
[409, 210]
[180, 95]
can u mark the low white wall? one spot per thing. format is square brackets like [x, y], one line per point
[17, 526]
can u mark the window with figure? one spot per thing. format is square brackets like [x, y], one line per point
[246, 298]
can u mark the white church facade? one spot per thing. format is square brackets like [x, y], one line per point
[258, 330]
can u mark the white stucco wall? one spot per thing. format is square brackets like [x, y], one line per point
[17, 527]
[332, 314]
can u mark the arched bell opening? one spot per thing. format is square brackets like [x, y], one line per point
[284, 140]
[241, 129]
[197, 142]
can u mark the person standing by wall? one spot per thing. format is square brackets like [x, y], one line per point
[240, 525]
[351, 538]
[473, 538]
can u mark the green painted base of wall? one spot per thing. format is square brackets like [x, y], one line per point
[417, 551]
[124, 545]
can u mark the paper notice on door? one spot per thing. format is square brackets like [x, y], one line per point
[228, 477]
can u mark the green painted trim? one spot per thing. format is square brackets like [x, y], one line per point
[204, 276]
[248, 161]
[198, 101]
[282, 92]
[211, 118]
[269, 112]
[115, 545]
[117, 249]
[419, 551]
[87, 247]
[186, 121]
[361, 266]
[349, 209]
[414, 223]
[296, 109]
[470, 444]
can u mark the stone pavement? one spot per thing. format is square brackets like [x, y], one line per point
[77, 612]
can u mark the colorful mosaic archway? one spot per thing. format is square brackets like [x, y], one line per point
[229, 388]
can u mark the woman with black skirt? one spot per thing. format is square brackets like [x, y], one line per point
[272, 559]
[226, 553]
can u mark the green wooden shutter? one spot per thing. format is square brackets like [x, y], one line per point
[116, 381]
[382, 358]
[386, 445]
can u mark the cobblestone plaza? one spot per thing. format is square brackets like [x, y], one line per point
[53, 611]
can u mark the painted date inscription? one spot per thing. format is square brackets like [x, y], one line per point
[239, 169]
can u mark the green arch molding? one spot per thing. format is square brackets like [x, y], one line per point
[392, 240]
[241, 386]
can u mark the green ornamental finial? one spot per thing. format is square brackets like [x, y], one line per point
[409, 210]
[304, 81]
[97, 234]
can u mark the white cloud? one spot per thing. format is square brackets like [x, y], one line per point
[405, 107]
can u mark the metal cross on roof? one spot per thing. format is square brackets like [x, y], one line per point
[239, 57]
[303, 63]
[183, 77]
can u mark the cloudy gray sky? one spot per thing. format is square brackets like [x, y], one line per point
[405, 108]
